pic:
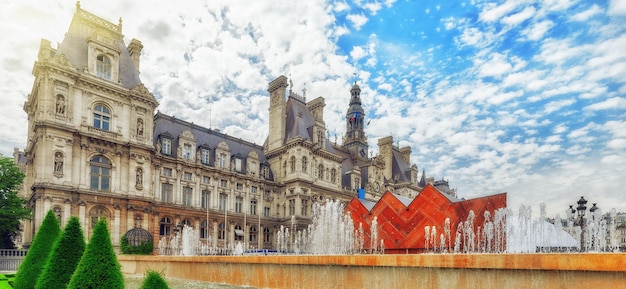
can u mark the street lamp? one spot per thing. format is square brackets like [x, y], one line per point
[582, 208]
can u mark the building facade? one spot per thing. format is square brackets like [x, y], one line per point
[97, 148]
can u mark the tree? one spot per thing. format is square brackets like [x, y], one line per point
[37, 255]
[154, 280]
[12, 207]
[98, 268]
[66, 253]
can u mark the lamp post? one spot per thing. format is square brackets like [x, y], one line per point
[582, 208]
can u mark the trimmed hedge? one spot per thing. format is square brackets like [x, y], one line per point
[64, 258]
[143, 249]
[98, 268]
[37, 255]
[154, 280]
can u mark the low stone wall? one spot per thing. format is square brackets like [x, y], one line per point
[586, 270]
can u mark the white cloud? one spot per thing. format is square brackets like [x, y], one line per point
[496, 67]
[494, 12]
[373, 7]
[538, 30]
[357, 20]
[341, 7]
[619, 143]
[617, 7]
[520, 17]
[611, 103]
[585, 15]
[553, 106]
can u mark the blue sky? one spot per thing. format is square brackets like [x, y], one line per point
[519, 96]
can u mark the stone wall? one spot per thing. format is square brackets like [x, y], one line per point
[394, 271]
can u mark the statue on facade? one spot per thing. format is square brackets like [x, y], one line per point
[58, 163]
[60, 106]
[139, 178]
[139, 127]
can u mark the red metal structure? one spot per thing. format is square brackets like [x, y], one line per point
[402, 221]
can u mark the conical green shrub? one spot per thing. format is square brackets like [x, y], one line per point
[66, 254]
[154, 280]
[98, 268]
[38, 253]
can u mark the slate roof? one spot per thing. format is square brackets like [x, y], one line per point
[164, 124]
[74, 45]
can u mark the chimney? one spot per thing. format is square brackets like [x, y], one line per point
[134, 48]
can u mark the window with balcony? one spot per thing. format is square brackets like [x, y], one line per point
[100, 173]
[101, 117]
[166, 192]
[222, 204]
[205, 198]
[253, 204]
[238, 204]
[187, 196]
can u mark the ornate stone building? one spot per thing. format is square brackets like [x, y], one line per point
[97, 149]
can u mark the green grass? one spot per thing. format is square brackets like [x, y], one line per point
[5, 279]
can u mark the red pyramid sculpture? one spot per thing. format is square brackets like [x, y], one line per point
[402, 221]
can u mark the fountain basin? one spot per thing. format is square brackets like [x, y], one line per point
[393, 271]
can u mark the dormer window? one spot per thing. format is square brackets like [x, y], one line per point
[187, 151]
[166, 146]
[101, 117]
[103, 67]
[205, 156]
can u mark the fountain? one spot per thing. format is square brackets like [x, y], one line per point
[502, 250]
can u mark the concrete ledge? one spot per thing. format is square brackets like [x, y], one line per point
[393, 271]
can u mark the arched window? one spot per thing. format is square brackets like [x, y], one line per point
[333, 176]
[187, 222]
[204, 230]
[253, 234]
[238, 233]
[292, 164]
[101, 117]
[320, 171]
[221, 233]
[267, 236]
[96, 214]
[103, 67]
[305, 163]
[100, 173]
[165, 228]
[285, 168]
